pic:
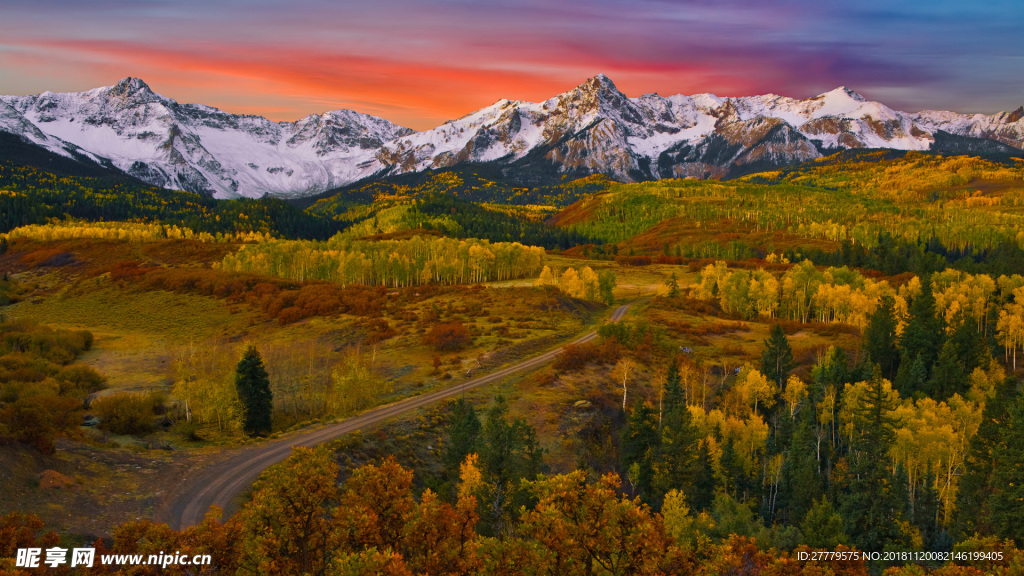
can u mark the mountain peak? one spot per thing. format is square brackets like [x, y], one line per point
[130, 85]
[843, 91]
[598, 83]
[596, 93]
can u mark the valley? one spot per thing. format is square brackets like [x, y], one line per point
[817, 356]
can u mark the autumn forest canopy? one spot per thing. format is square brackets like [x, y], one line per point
[817, 358]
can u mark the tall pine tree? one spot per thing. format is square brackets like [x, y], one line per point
[777, 358]
[1007, 480]
[640, 441]
[676, 464]
[870, 504]
[976, 486]
[253, 385]
[921, 338]
[880, 337]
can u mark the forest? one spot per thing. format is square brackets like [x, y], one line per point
[821, 358]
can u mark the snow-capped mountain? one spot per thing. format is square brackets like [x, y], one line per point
[199, 148]
[593, 128]
[596, 128]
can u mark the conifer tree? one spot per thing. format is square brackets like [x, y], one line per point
[870, 504]
[777, 358]
[676, 465]
[822, 526]
[803, 480]
[921, 337]
[880, 337]
[976, 485]
[1007, 480]
[463, 435]
[253, 385]
[704, 483]
[673, 286]
[509, 453]
[639, 447]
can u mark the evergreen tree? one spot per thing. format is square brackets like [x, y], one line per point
[822, 527]
[923, 513]
[675, 465]
[704, 484]
[962, 352]
[880, 337]
[777, 358]
[949, 375]
[976, 485]
[802, 478]
[640, 441]
[673, 285]
[253, 385]
[735, 480]
[1007, 480]
[463, 435]
[922, 337]
[870, 503]
[833, 370]
[509, 453]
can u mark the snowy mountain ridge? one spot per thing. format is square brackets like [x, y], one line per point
[593, 128]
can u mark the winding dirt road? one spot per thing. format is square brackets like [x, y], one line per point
[221, 483]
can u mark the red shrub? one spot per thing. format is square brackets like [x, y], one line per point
[448, 336]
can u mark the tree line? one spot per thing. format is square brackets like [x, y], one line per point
[394, 263]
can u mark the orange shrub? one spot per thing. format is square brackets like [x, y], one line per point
[448, 336]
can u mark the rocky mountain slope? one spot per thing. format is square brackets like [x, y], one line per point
[593, 128]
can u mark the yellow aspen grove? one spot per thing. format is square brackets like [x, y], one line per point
[397, 263]
[570, 284]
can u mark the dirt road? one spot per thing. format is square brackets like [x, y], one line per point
[221, 483]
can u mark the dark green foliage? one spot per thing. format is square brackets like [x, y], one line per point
[977, 485]
[630, 335]
[832, 371]
[703, 492]
[253, 386]
[870, 503]
[921, 338]
[735, 480]
[462, 436]
[923, 511]
[639, 450]
[962, 352]
[673, 286]
[509, 453]
[897, 255]
[822, 527]
[949, 375]
[777, 358]
[476, 221]
[676, 464]
[478, 183]
[880, 337]
[802, 477]
[1006, 483]
[42, 195]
